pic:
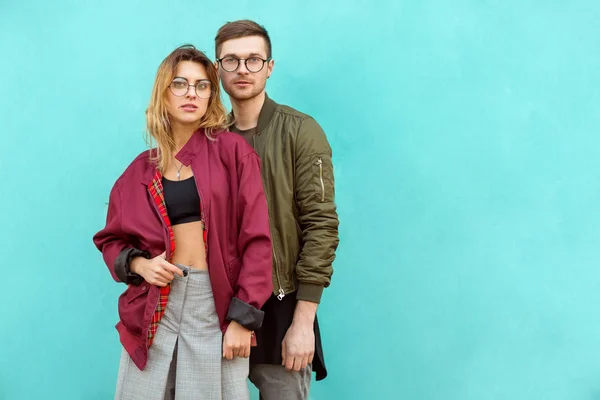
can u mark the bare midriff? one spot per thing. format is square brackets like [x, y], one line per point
[189, 245]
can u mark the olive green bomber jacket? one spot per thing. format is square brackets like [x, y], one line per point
[297, 173]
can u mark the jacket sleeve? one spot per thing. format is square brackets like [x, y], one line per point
[317, 211]
[255, 283]
[112, 242]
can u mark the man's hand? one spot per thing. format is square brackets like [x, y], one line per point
[298, 346]
[236, 342]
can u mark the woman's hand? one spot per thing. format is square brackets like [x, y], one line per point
[236, 342]
[156, 271]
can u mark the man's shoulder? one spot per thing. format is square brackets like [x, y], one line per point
[297, 122]
[290, 112]
[300, 122]
[302, 127]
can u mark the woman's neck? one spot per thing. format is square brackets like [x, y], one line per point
[181, 135]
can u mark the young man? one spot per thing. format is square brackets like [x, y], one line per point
[298, 177]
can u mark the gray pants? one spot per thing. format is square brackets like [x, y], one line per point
[186, 359]
[275, 383]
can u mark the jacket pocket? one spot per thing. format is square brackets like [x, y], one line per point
[233, 271]
[134, 292]
[132, 307]
[323, 178]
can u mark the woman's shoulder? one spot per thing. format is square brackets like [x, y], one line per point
[140, 167]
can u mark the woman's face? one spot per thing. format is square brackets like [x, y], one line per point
[188, 94]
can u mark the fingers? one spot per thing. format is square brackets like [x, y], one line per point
[169, 268]
[246, 352]
[172, 269]
[294, 359]
[289, 362]
[159, 272]
[159, 283]
[241, 350]
[157, 280]
[283, 353]
[297, 363]
[237, 351]
[227, 352]
[231, 351]
[287, 356]
[303, 363]
[164, 274]
[236, 341]
[162, 262]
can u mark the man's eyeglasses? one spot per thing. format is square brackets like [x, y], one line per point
[253, 64]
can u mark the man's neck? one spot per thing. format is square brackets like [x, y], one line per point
[247, 111]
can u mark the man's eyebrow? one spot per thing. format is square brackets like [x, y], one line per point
[249, 55]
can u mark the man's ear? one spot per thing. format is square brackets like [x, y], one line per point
[270, 66]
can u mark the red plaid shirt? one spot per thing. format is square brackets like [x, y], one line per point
[156, 191]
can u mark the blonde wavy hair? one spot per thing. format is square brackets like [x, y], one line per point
[158, 125]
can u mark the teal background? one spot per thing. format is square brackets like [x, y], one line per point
[467, 166]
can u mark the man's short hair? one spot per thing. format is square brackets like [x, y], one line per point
[239, 29]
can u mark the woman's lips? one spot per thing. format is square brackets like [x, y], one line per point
[189, 107]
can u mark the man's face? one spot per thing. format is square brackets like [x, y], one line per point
[248, 80]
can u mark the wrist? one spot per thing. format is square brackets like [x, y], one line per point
[137, 264]
[237, 326]
[305, 313]
[303, 320]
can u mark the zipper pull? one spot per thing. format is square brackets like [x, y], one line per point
[281, 294]
[320, 164]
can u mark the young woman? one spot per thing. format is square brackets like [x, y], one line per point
[187, 230]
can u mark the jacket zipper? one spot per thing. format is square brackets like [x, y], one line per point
[204, 227]
[281, 292]
[320, 164]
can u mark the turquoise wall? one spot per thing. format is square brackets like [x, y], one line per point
[467, 165]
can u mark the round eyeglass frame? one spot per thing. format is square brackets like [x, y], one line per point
[200, 95]
[245, 60]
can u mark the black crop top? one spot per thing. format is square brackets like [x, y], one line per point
[182, 200]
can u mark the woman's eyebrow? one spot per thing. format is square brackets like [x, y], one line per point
[196, 81]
